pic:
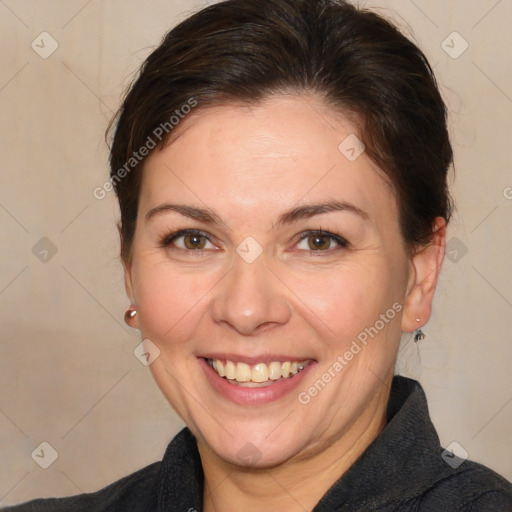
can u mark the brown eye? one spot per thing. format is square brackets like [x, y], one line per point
[194, 241]
[187, 240]
[321, 241]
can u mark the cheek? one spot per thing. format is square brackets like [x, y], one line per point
[170, 302]
[345, 300]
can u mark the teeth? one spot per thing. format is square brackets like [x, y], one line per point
[285, 369]
[257, 373]
[220, 368]
[243, 372]
[230, 370]
[274, 370]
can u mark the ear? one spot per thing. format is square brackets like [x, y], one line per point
[128, 284]
[425, 267]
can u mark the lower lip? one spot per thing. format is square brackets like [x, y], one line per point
[252, 396]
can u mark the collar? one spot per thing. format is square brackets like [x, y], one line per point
[401, 462]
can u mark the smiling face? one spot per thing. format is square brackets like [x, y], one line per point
[291, 253]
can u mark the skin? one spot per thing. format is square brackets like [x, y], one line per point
[249, 165]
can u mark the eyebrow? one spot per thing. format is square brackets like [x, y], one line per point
[289, 217]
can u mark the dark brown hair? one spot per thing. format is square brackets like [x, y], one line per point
[246, 50]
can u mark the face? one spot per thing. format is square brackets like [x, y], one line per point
[261, 246]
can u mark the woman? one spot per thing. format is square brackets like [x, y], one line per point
[281, 172]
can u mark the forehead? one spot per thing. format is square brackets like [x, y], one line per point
[278, 152]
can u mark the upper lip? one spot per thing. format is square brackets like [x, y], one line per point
[251, 360]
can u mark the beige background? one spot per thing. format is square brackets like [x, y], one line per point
[68, 375]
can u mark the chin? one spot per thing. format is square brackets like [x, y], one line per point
[260, 447]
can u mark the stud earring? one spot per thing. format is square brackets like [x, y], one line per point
[130, 313]
[418, 333]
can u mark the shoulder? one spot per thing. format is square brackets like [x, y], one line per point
[471, 487]
[176, 478]
[133, 493]
[419, 474]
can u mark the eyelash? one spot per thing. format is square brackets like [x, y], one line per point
[168, 239]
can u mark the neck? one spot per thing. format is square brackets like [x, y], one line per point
[294, 486]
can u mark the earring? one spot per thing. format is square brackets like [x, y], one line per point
[418, 333]
[130, 313]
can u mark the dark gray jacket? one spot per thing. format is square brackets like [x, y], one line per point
[404, 469]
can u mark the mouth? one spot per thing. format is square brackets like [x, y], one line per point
[252, 382]
[256, 375]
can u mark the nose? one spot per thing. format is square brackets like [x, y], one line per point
[250, 299]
